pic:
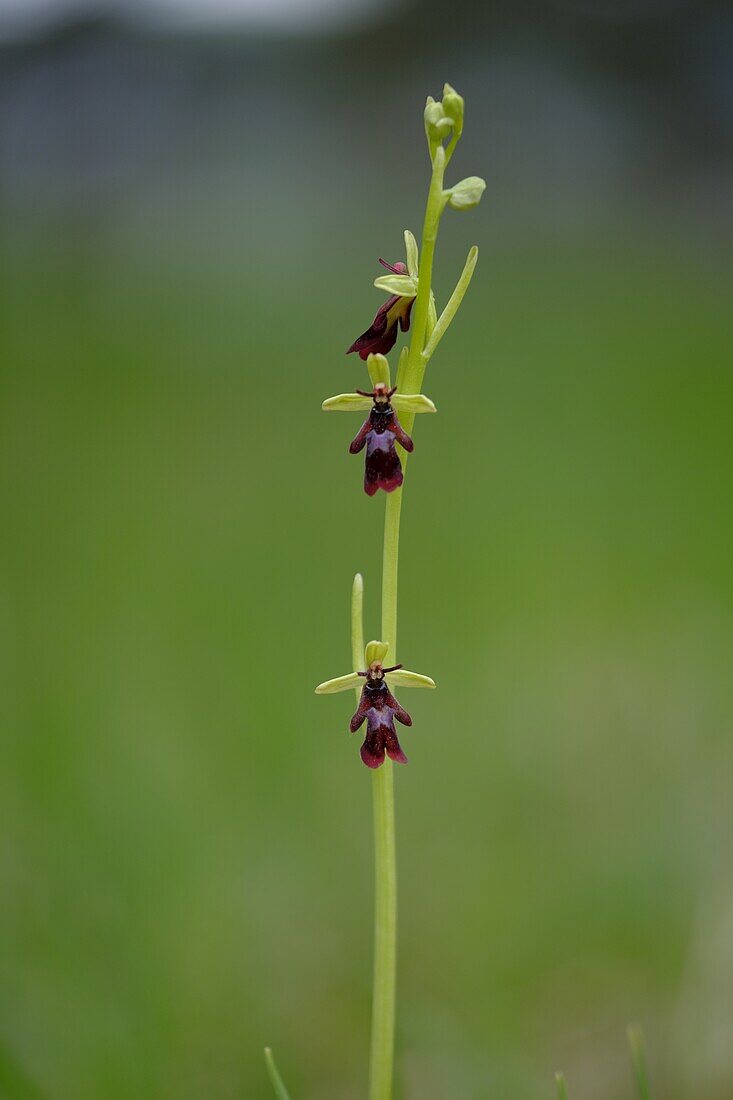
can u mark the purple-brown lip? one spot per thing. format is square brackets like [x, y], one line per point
[381, 335]
[379, 708]
[379, 433]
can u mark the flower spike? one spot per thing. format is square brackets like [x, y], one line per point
[377, 705]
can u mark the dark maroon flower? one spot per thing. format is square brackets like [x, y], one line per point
[381, 335]
[379, 708]
[382, 469]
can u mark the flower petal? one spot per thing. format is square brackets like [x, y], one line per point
[347, 402]
[402, 677]
[397, 269]
[403, 285]
[378, 368]
[375, 651]
[412, 403]
[381, 334]
[341, 683]
[412, 253]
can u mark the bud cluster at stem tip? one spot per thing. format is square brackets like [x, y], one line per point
[443, 118]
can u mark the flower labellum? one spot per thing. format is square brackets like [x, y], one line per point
[381, 335]
[379, 708]
[382, 469]
[377, 705]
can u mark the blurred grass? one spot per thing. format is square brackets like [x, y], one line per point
[185, 853]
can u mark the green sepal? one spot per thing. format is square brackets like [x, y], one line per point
[347, 402]
[404, 678]
[437, 125]
[467, 194]
[404, 285]
[378, 368]
[412, 403]
[562, 1092]
[413, 259]
[375, 651]
[433, 113]
[341, 683]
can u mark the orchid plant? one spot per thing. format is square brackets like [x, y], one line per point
[386, 433]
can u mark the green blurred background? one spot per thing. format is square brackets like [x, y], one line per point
[194, 200]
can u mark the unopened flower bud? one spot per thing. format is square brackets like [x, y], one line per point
[467, 194]
[452, 104]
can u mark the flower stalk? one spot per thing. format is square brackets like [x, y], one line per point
[409, 380]
[387, 437]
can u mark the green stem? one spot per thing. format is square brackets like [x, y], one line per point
[385, 857]
[385, 935]
[415, 364]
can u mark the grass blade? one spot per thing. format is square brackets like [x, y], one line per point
[562, 1092]
[277, 1082]
[638, 1061]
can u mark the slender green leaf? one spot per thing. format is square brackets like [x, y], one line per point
[453, 303]
[562, 1092]
[277, 1082]
[357, 627]
[638, 1061]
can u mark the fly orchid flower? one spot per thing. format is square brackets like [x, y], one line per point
[401, 284]
[377, 705]
[382, 428]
